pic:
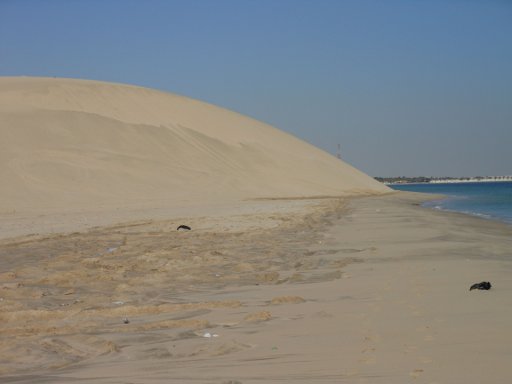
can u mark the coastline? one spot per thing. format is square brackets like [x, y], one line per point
[483, 216]
[370, 289]
[491, 201]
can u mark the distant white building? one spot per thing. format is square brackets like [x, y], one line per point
[484, 179]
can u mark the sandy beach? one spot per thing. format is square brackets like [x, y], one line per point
[298, 267]
[255, 192]
[372, 289]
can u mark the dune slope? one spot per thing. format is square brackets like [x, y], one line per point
[68, 144]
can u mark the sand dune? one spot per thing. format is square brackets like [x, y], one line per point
[73, 144]
[270, 290]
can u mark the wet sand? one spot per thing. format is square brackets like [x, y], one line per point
[371, 289]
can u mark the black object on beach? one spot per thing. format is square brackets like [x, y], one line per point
[183, 228]
[484, 285]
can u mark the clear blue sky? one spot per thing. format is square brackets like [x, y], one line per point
[411, 87]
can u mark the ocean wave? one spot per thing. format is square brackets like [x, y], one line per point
[470, 213]
[479, 214]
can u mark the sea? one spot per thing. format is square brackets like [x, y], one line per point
[490, 200]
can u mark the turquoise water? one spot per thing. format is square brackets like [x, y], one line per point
[489, 200]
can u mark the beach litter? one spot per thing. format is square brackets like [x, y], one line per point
[183, 228]
[484, 285]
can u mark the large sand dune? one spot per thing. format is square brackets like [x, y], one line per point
[260, 291]
[67, 145]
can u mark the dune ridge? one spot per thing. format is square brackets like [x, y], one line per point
[75, 144]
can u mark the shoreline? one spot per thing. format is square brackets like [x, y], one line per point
[490, 203]
[478, 215]
[371, 289]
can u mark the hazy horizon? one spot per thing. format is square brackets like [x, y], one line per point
[408, 88]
